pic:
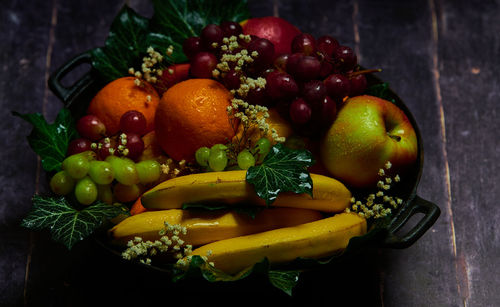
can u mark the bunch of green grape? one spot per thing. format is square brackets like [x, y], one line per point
[216, 158]
[115, 178]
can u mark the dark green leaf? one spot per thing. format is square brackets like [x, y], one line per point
[67, 225]
[124, 45]
[161, 42]
[185, 18]
[284, 280]
[283, 170]
[380, 90]
[50, 141]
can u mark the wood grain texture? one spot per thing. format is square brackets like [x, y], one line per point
[440, 56]
[22, 63]
[469, 48]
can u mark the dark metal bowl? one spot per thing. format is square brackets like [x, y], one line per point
[77, 97]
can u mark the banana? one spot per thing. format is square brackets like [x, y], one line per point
[329, 195]
[206, 227]
[311, 240]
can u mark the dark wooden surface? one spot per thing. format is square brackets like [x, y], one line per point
[441, 57]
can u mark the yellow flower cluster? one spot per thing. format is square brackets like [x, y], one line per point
[377, 205]
[151, 67]
[169, 241]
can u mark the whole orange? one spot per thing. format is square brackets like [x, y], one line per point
[120, 96]
[193, 114]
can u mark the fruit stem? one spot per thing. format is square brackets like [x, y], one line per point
[397, 138]
[365, 71]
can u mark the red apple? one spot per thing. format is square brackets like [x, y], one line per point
[367, 133]
[277, 30]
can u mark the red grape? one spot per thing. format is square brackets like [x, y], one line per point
[106, 147]
[304, 43]
[133, 143]
[313, 91]
[327, 45]
[280, 61]
[358, 85]
[133, 121]
[326, 69]
[328, 111]
[192, 46]
[202, 65]
[346, 57]
[300, 111]
[257, 96]
[265, 50]
[304, 68]
[212, 34]
[91, 127]
[231, 28]
[78, 146]
[232, 79]
[280, 85]
[337, 86]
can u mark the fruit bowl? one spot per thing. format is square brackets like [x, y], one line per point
[77, 96]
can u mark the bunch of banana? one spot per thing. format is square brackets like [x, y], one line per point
[294, 226]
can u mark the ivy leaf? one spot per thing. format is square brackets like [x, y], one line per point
[284, 280]
[125, 43]
[185, 18]
[380, 90]
[50, 141]
[68, 225]
[283, 170]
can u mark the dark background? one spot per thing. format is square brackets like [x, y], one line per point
[441, 57]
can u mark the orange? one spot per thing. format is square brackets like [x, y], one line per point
[120, 96]
[193, 114]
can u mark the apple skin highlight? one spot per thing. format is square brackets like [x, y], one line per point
[367, 133]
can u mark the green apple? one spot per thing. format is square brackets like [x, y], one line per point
[367, 133]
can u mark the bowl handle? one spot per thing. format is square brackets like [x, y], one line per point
[418, 205]
[67, 94]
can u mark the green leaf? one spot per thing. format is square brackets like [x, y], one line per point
[284, 280]
[380, 90]
[50, 141]
[283, 170]
[67, 225]
[185, 18]
[124, 45]
[250, 210]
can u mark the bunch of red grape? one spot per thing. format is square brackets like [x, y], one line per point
[307, 86]
[106, 170]
[312, 82]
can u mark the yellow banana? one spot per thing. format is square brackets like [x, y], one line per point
[311, 240]
[206, 227]
[329, 195]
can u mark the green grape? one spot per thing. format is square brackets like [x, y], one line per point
[245, 159]
[148, 171]
[77, 166]
[262, 148]
[217, 160]
[104, 193]
[62, 183]
[202, 155]
[101, 172]
[86, 191]
[126, 193]
[89, 154]
[125, 171]
[218, 147]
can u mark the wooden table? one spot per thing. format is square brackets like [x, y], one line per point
[441, 57]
